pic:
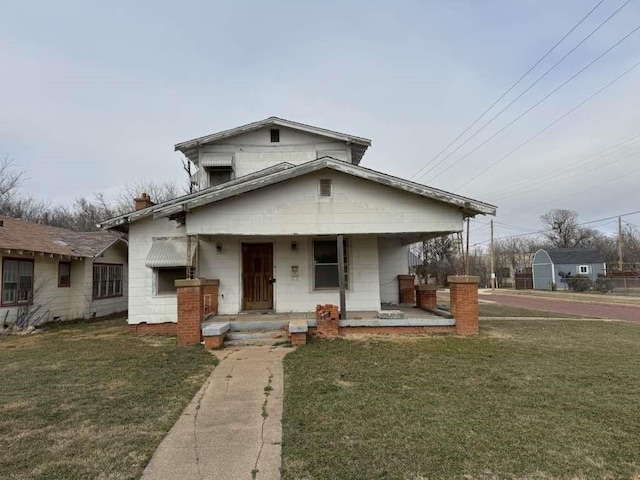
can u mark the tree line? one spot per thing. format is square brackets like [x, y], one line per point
[85, 212]
[559, 229]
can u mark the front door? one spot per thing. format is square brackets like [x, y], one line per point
[257, 276]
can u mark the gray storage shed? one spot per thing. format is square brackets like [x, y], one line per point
[555, 266]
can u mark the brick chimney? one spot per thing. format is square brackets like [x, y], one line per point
[143, 201]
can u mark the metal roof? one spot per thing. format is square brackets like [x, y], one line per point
[221, 159]
[170, 252]
[359, 144]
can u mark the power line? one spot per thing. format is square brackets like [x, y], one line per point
[564, 169]
[526, 90]
[509, 89]
[590, 97]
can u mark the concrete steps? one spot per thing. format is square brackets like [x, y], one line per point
[256, 333]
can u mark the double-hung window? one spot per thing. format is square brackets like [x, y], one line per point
[107, 280]
[17, 281]
[325, 264]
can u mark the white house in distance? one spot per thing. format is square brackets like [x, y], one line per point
[58, 274]
[274, 195]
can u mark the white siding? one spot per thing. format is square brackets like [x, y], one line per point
[254, 151]
[75, 301]
[392, 256]
[357, 206]
[144, 306]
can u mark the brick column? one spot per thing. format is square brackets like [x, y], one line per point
[426, 296]
[196, 299]
[327, 317]
[464, 303]
[407, 293]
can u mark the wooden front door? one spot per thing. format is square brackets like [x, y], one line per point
[257, 276]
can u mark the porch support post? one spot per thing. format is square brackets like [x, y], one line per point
[343, 298]
[464, 303]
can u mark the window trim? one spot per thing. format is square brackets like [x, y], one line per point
[64, 285]
[33, 274]
[586, 272]
[93, 280]
[313, 264]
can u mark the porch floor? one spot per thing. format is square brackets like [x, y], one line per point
[409, 312]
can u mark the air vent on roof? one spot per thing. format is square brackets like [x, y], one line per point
[325, 187]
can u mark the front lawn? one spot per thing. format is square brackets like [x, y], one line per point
[90, 401]
[528, 400]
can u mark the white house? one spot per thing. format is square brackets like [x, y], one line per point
[275, 194]
[59, 274]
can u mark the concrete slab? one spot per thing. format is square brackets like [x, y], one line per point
[223, 433]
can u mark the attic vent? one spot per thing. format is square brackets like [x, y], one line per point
[325, 187]
[275, 135]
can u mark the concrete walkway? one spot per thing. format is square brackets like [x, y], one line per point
[232, 429]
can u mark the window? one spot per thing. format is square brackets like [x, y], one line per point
[166, 278]
[17, 281]
[583, 269]
[219, 175]
[324, 186]
[64, 274]
[325, 264]
[107, 280]
[275, 135]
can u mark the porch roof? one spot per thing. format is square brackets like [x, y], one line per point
[284, 172]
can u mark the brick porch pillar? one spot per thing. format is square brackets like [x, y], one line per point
[196, 298]
[327, 321]
[464, 303]
[406, 291]
[426, 296]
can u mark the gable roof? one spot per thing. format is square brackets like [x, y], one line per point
[17, 234]
[567, 256]
[359, 144]
[284, 172]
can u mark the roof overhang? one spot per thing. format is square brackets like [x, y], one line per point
[358, 145]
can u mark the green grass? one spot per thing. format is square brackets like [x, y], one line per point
[87, 401]
[527, 400]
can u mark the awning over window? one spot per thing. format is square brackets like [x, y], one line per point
[171, 252]
[217, 160]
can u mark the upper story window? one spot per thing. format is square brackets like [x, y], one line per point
[324, 187]
[275, 135]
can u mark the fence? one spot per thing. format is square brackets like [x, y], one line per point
[622, 285]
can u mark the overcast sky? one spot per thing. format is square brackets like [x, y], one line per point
[95, 94]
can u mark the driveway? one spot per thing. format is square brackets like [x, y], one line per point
[585, 309]
[232, 429]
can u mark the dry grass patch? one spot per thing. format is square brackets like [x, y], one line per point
[90, 401]
[531, 399]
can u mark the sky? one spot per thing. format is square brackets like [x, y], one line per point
[93, 95]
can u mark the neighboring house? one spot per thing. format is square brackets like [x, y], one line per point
[276, 194]
[64, 274]
[553, 268]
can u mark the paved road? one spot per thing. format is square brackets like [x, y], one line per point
[593, 310]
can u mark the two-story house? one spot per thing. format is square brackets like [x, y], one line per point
[273, 198]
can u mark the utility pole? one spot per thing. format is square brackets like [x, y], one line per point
[466, 261]
[620, 265]
[493, 269]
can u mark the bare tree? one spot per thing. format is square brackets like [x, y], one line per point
[438, 259]
[562, 229]
[158, 191]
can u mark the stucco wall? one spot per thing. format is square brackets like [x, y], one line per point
[357, 206]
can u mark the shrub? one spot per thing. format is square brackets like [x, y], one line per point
[580, 283]
[604, 285]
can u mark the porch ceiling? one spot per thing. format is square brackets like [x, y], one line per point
[406, 237]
